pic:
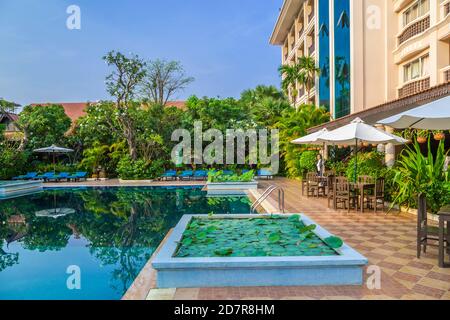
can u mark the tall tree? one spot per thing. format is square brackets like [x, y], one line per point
[122, 84]
[163, 80]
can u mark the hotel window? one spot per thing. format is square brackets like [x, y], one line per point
[415, 69]
[417, 10]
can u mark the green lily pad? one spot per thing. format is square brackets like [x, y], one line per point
[334, 242]
[224, 252]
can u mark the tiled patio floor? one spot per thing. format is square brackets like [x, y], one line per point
[388, 241]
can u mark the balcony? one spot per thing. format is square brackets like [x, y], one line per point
[445, 72]
[301, 92]
[415, 87]
[414, 29]
[311, 49]
[446, 9]
[311, 15]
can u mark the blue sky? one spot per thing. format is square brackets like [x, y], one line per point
[224, 44]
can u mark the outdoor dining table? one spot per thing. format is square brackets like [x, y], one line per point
[444, 216]
[361, 187]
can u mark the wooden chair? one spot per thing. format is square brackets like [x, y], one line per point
[424, 232]
[312, 184]
[378, 194]
[366, 179]
[304, 183]
[344, 194]
[330, 191]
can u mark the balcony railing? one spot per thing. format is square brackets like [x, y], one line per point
[414, 87]
[414, 29]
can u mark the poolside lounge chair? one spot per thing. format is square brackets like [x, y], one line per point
[78, 176]
[63, 176]
[200, 175]
[186, 175]
[264, 173]
[46, 176]
[28, 176]
[169, 175]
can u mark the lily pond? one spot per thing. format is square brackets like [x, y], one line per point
[272, 236]
[91, 243]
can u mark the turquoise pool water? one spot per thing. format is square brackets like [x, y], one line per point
[97, 238]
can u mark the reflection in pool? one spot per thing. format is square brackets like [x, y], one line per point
[108, 233]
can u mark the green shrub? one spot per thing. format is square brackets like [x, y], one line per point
[140, 169]
[12, 163]
[339, 167]
[307, 161]
[369, 164]
[48, 167]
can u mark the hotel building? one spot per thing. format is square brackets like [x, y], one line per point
[377, 57]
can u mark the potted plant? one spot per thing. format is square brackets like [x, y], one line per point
[422, 136]
[438, 135]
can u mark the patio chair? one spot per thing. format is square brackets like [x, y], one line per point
[78, 176]
[186, 175]
[201, 175]
[344, 194]
[169, 174]
[378, 194]
[265, 173]
[28, 176]
[312, 184]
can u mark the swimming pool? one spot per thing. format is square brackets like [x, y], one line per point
[97, 239]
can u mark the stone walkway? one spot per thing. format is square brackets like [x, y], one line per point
[387, 240]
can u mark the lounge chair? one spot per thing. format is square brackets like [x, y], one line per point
[200, 175]
[46, 176]
[244, 171]
[77, 176]
[63, 176]
[227, 172]
[169, 174]
[186, 175]
[28, 176]
[264, 173]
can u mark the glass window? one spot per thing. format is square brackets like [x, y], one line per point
[418, 9]
[416, 69]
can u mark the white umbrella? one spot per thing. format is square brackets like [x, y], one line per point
[432, 116]
[53, 150]
[311, 138]
[359, 132]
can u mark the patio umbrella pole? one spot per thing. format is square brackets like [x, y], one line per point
[356, 160]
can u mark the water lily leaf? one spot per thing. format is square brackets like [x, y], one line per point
[261, 222]
[294, 218]
[334, 242]
[274, 237]
[187, 241]
[211, 229]
[201, 235]
[224, 252]
[306, 229]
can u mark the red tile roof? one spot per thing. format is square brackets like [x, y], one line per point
[73, 110]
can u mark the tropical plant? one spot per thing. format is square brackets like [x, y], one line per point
[416, 173]
[128, 169]
[293, 124]
[307, 161]
[309, 71]
[369, 164]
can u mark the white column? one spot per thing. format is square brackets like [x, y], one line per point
[389, 150]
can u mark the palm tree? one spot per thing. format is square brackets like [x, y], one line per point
[308, 72]
[304, 72]
[290, 74]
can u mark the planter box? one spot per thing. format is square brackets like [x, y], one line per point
[135, 181]
[230, 188]
[346, 268]
[18, 188]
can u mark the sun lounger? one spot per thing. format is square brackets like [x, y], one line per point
[63, 176]
[46, 176]
[169, 175]
[201, 175]
[28, 176]
[78, 176]
[186, 175]
[265, 173]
